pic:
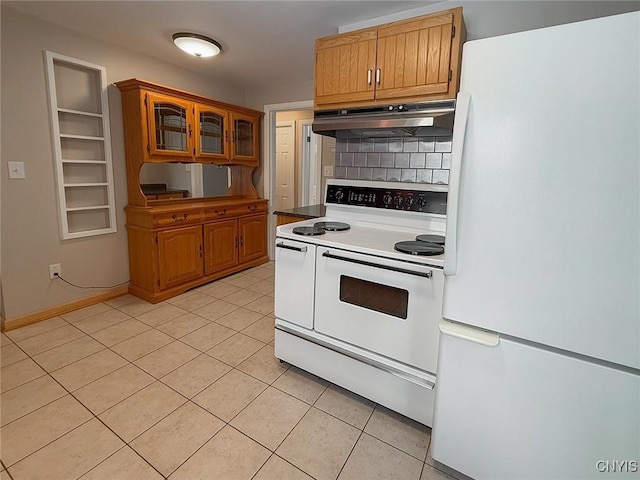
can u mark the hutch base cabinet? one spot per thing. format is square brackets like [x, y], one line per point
[173, 249]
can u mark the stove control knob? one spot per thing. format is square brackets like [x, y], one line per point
[422, 202]
[398, 201]
[339, 195]
[408, 203]
[386, 199]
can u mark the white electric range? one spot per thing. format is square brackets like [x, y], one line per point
[351, 307]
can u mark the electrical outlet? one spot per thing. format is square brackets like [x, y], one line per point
[328, 171]
[55, 269]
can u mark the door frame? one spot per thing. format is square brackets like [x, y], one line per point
[269, 153]
[309, 163]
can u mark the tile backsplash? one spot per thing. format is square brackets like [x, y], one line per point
[409, 159]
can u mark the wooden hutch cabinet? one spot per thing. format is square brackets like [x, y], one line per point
[408, 60]
[178, 243]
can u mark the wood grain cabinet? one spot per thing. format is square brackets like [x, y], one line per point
[409, 60]
[179, 256]
[164, 124]
[212, 133]
[178, 242]
[172, 250]
[221, 245]
[253, 243]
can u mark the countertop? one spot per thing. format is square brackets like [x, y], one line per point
[311, 211]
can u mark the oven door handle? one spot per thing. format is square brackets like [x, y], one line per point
[289, 247]
[376, 265]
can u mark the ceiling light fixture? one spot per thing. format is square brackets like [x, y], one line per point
[197, 45]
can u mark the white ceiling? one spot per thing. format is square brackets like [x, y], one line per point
[271, 42]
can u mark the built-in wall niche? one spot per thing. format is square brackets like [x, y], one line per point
[81, 145]
[183, 180]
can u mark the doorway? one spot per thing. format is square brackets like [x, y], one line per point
[311, 155]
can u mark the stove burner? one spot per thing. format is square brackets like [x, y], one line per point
[419, 248]
[308, 231]
[437, 239]
[332, 226]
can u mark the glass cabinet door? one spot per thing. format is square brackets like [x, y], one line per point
[170, 126]
[213, 132]
[245, 139]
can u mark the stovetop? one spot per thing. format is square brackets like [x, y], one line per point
[364, 237]
[380, 215]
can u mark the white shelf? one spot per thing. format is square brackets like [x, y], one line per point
[96, 162]
[79, 112]
[81, 137]
[71, 185]
[85, 208]
[90, 207]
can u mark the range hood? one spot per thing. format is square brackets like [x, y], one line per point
[402, 120]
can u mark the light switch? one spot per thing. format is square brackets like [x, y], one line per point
[328, 171]
[16, 170]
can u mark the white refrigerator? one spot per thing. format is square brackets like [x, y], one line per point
[539, 360]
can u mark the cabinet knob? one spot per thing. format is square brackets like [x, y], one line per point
[189, 130]
[178, 219]
[221, 212]
[252, 208]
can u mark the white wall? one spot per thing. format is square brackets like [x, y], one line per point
[29, 223]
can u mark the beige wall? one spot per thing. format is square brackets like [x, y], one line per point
[29, 223]
[286, 93]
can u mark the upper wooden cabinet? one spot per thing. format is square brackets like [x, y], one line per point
[244, 137]
[164, 124]
[408, 60]
[170, 124]
[212, 133]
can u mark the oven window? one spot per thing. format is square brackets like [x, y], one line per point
[374, 296]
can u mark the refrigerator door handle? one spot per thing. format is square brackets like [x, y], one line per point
[459, 129]
[464, 332]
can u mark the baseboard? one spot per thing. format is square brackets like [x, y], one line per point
[17, 322]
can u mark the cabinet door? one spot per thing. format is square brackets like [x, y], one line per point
[345, 68]
[220, 246]
[179, 256]
[414, 58]
[170, 127]
[253, 237]
[244, 138]
[212, 127]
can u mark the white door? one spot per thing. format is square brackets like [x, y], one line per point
[388, 307]
[295, 272]
[285, 166]
[546, 247]
[515, 411]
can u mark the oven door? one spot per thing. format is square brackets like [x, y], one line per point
[386, 306]
[295, 271]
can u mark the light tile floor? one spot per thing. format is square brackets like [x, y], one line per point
[188, 389]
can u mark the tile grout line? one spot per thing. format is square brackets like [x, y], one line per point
[155, 379]
[91, 412]
[83, 423]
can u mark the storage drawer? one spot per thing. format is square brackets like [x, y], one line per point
[179, 217]
[235, 210]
